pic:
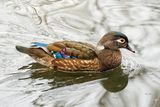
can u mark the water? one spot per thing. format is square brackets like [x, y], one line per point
[26, 83]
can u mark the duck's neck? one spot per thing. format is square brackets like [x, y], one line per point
[109, 58]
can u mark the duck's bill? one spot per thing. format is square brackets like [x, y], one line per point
[130, 49]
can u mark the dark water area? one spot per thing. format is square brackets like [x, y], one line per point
[23, 82]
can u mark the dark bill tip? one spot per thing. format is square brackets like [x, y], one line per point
[130, 49]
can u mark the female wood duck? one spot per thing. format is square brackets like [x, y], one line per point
[77, 56]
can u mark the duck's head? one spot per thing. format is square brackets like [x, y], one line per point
[115, 40]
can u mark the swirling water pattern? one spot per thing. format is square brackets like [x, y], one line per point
[26, 21]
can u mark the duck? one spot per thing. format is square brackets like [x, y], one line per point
[78, 56]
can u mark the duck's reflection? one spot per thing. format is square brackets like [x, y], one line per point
[114, 80]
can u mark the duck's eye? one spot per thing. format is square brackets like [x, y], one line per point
[121, 40]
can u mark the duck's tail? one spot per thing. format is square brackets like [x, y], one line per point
[22, 49]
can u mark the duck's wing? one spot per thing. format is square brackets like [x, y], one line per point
[83, 56]
[73, 49]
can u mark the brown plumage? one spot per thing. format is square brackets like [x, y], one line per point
[77, 64]
[73, 48]
[72, 56]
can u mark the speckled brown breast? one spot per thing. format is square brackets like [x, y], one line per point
[77, 64]
[109, 59]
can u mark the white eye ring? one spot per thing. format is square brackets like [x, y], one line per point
[121, 40]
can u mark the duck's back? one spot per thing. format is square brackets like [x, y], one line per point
[73, 49]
